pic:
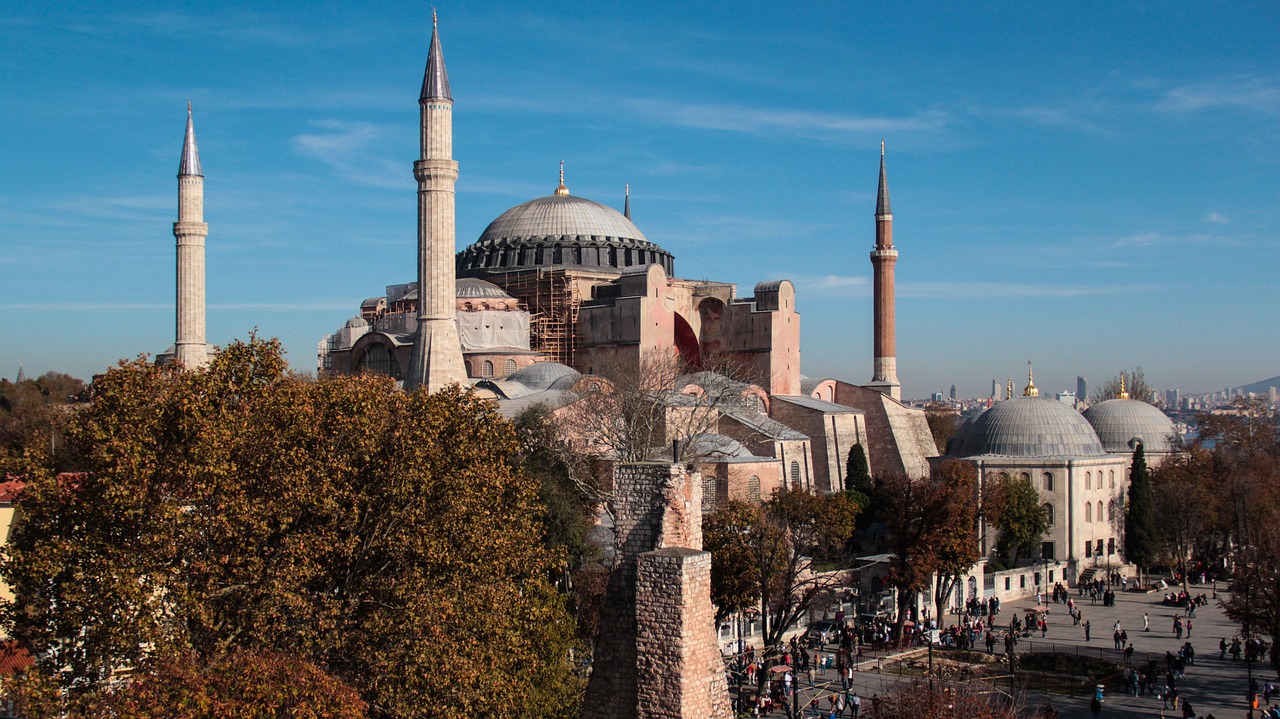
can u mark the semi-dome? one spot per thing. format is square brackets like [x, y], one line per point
[541, 375]
[1123, 423]
[563, 230]
[1028, 427]
[473, 288]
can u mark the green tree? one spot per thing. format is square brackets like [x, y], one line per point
[380, 534]
[859, 486]
[1013, 506]
[1141, 536]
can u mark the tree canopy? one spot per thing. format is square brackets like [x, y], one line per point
[1140, 530]
[381, 535]
[1133, 382]
[1013, 506]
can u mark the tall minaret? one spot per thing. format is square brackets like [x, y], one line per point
[190, 230]
[883, 258]
[437, 352]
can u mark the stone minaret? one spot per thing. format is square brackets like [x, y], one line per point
[437, 351]
[190, 230]
[883, 258]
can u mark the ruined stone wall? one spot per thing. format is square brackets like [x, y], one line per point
[656, 654]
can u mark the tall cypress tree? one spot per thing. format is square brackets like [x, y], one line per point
[1140, 536]
[859, 485]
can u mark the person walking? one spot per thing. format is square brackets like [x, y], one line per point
[855, 704]
[1095, 706]
[1188, 629]
[1222, 648]
[1087, 627]
[1146, 622]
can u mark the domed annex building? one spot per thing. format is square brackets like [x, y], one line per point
[560, 288]
[1079, 463]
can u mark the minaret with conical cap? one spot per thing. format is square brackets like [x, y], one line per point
[190, 231]
[437, 352]
[883, 258]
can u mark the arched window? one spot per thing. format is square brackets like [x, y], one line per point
[486, 369]
[379, 360]
[1099, 510]
[1088, 512]
[1088, 480]
[1048, 513]
[509, 366]
[1046, 482]
[795, 474]
[1111, 479]
[753, 489]
[1025, 476]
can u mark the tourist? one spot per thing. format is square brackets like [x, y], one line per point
[1146, 622]
[1086, 630]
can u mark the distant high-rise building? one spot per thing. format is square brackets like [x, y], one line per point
[936, 397]
[1271, 392]
[1067, 398]
[1082, 389]
[1172, 398]
[954, 395]
[995, 389]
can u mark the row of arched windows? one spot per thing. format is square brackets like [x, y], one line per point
[1089, 483]
[485, 368]
[1091, 515]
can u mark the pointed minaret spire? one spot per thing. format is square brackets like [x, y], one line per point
[189, 165]
[1123, 393]
[562, 190]
[1008, 388]
[884, 377]
[22, 374]
[882, 195]
[435, 83]
[1031, 390]
[626, 202]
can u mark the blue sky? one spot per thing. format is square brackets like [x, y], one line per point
[1089, 186]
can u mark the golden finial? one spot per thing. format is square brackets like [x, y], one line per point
[1031, 390]
[1008, 388]
[1123, 394]
[562, 190]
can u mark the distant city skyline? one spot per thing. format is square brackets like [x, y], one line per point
[1087, 190]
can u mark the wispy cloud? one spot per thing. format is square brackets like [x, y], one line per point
[317, 306]
[347, 148]
[796, 122]
[987, 290]
[1242, 92]
[1217, 218]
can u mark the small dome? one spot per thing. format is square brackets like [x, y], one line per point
[1027, 427]
[1119, 422]
[541, 375]
[357, 322]
[561, 230]
[471, 288]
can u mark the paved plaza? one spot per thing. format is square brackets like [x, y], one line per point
[1213, 686]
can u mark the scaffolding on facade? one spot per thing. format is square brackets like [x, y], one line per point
[552, 299]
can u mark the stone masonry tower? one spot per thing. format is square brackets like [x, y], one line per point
[190, 230]
[883, 258]
[437, 352]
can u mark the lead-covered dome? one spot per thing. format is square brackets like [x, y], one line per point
[562, 229]
[1123, 423]
[473, 288]
[1027, 427]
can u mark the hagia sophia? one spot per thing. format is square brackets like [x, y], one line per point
[560, 287]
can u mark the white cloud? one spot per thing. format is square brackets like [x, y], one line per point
[798, 123]
[1217, 218]
[346, 147]
[1242, 92]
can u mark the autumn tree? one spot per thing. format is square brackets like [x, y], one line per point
[1141, 532]
[1013, 507]
[1133, 382]
[766, 551]
[1184, 511]
[931, 528]
[1254, 602]
[32, 412]
[382, 535]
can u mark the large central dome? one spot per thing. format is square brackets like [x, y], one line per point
[561, 230]
[1027, 427]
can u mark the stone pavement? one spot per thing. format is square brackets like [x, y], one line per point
[1213, 686]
